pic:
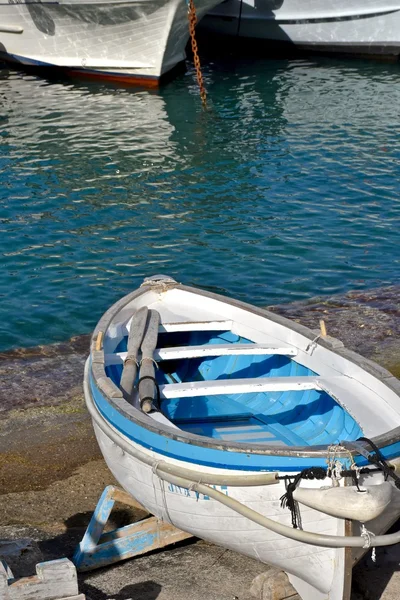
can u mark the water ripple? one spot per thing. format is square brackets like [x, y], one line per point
[286, 189]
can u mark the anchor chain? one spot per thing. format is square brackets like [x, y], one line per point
[192, 27]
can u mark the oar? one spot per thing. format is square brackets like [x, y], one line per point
[147, 383]
[136, 332]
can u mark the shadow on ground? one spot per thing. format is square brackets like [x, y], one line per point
[145, 590]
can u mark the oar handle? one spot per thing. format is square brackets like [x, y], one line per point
[129, 372]
[147, 385]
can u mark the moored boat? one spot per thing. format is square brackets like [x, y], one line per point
[363, 27]
[247, 430]
[121, 40]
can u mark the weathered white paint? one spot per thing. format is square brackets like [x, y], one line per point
[368, 26]
[315, 572]
[197, 326]
[54, 580]
[110, 37]
[238, 386]
[210, 350]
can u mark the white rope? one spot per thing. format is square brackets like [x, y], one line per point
[161, 283]
[132, 358]
[155, 465]
[152, 360]
[334, 465]
[312, 345]
[367, 535]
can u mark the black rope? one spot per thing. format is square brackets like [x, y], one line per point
[287, 499]
[153, 379]
[379, 460]
[344, 473]
[292, 481]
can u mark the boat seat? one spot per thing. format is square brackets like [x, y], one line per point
[220, 350]
[195, 326]
[180, 352]
[239, 386]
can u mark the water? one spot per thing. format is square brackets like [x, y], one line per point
[285, 189]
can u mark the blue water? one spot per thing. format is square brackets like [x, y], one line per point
[286, 188]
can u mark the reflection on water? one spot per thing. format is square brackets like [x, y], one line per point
[285, 189]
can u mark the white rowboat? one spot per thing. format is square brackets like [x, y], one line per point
[241, 427]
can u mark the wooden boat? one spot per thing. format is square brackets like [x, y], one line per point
[241, 427]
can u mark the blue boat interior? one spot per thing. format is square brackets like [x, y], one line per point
[290, 418]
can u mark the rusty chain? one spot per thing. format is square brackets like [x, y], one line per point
[192, 29]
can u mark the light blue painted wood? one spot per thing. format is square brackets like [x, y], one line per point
[95, 527]
[98, 549]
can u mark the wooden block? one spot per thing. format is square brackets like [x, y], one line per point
[52, 579]
[4, 576]
[131, 540]
[122, 496]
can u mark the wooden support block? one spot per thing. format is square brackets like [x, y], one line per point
[98, 549]
[131, 540]
[5, 575]
[54, 580]
[125, 498]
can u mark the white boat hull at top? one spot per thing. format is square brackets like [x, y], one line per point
[348, 26]
[136, 39]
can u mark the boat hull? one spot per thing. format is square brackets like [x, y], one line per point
[165, 467]
[131, 41]
[357, 26]
[316, 573]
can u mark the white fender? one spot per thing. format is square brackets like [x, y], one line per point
[347, 502]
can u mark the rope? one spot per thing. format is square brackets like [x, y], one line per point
[292, 481]
[367, 535]
[335, 472]
[287, 499]
[155, 466]
[131, 358]
[379, 461]
[155, 363]
[312, 345]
